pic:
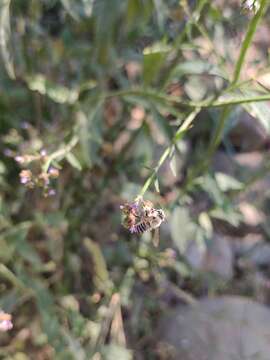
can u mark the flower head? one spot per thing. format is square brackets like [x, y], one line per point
[5, 321]
[19, 159]
[51, 192]
[26, 177]
[43, 152]
[53, 172]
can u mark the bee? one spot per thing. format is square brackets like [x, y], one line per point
[141, 216]
[131, 215]
[151, 220]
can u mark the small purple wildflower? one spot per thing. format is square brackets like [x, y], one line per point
[19, 159]
[43, 152]
[51, 192]
[6, 325]
[53, 172]
[25, 125]
[25, 176]
[24, 180]
[5, 321]
[8, 152]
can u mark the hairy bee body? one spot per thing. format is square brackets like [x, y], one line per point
[140, 228]
[141, 216]
[151, 220]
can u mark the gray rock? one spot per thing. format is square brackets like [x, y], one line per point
[216, 258]
[224, 328]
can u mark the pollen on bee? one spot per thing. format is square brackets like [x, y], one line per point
[140, 216]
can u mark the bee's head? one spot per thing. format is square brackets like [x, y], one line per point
[161, 214]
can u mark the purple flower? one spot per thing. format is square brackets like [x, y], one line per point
[53, 172]
[5, 321]
[25, 125]
[19, 159]
[8, 152]
[43, 152]
[25, 176]
[6, 325]
[51, 192]
[24, 180]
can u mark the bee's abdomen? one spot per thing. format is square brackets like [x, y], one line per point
[141, 227]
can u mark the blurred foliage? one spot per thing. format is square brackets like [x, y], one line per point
[111, 95]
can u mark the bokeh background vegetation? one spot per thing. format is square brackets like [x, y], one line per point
[117, 95]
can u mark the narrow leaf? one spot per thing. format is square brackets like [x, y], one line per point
[101, 278]
[58, 93]
[5, 35]
[74, 162]
[156, 183]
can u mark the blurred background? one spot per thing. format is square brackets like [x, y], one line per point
[101, 100]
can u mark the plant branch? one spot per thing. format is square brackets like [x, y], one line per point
[177, 136]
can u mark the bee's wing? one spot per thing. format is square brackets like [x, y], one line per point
[155, 238]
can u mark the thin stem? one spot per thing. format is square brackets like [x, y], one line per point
[217, 137]
[177, 136]
[8, 275]
[60, 153]
[248, 39]
[194, 18]
[149, 93]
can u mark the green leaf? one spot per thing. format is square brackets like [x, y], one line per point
[153, 59]
[163, 123]
[107, 22]
[226, 182]
[230, 215]
[156, 183]
[112, 352]
[183, 230]
[196, 67]
[138, 13]
[5, 37]
[17, 237]
[210, 186]
[70, 9]
[161, 13]
[78, 8]
[7, 250]
[74, 345]
[58, 93]
[71, 158]
[196, 88]
[206, 223]
[261, 111]
[50, 323]
[173, 164]
[101, 276]
[126, 286]
[90, 129]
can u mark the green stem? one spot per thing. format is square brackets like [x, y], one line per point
[248, 39]
[177, 136]
[60, 153]
[175, 100]
[193, 19]
[217, 137]
[8, 275]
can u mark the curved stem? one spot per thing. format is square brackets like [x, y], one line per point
[217, 137]
[177, 136]
[248, 39]
[60, 153]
